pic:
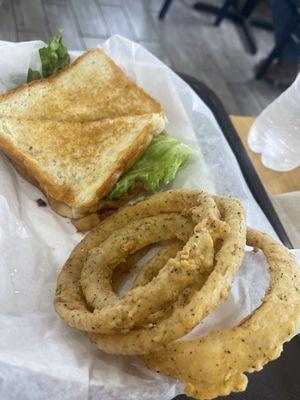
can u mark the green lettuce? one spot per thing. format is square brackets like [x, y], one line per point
[33, 75]
[53, 57]
[163, 158]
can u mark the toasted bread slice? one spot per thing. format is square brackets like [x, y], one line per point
[76, 164]
[90, 89]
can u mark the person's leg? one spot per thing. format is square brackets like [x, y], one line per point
[283, 17]
[284, 69]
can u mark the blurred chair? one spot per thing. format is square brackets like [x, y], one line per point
[164, 9]
[242, 16]
[230, 9]
[245, 11]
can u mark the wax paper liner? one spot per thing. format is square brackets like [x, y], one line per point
[40, 357]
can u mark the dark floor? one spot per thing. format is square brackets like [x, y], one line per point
[186, 40]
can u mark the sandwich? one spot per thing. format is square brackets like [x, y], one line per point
[86, 135]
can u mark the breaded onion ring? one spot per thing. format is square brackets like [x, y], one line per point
[70, 302]
[124, 268]
[156, 263]
[215, 365]
[122, 312]
[185, 281]
[186, 315]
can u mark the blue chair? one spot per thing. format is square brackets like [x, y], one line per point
[242, 16]
[164, 9]
[245, 11]
[231, 10]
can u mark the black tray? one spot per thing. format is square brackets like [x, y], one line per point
[280, 379]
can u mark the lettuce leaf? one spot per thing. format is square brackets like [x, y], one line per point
[33, 75]
[53, 57]
[163, 158]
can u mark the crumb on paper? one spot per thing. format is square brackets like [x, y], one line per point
[41, 203]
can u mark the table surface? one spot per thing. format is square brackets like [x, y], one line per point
[274, 182]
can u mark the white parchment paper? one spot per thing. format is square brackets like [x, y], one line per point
[40, 357]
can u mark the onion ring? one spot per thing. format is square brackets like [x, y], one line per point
[214, 365]
[69, 301]
[150, 270]
[156, 263]
[124, 268]
[206, 236]
[114, 312]
[185, 317]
